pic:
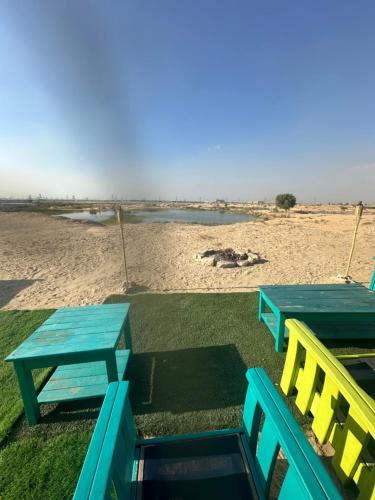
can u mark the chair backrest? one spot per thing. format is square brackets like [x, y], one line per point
[372, 282]
[306, 477]
[343, 414]
[109, 461]
[112, 452]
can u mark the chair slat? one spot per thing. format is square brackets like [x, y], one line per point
[343, 414]
[266, 454]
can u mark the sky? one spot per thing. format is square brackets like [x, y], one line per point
[229, 99]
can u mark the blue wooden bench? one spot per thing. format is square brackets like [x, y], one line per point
[231, 463]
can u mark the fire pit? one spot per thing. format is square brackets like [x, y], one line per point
[228, 258]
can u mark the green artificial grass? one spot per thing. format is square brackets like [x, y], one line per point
[15, 326]
[190, 355]
[187, 374]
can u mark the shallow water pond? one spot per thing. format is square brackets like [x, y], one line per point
[192, 216]
[86, 215]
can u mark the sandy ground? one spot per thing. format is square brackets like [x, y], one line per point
[50, 262]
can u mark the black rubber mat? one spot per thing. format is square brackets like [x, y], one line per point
[196, 469]
[363, 372]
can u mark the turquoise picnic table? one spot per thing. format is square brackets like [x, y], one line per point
[330, 310]
[82, 343]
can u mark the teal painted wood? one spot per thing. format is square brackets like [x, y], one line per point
[77, 324]
[45, 361]
[28, 392]
[292, 487]
[346, 303]
[342, 329]
[92, 309]
[96, 313]
[89, 466]
[60, 346]
[266, 455]
[81, 381]
[329, 286]
[115, 463]
[188, 436]
[331, 327]
[77, 335]
[372, 283]
[348, 298]
[270, 320]
[301, 457]
[117, 455]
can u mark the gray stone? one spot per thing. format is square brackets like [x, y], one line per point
[253, 258]
[243, 263]
[209, 261]
[226, 264]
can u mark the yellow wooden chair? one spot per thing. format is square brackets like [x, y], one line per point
[343, 413]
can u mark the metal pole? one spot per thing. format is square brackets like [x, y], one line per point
[358, 214]
[119, 216]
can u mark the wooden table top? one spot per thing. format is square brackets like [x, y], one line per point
[75, 330]
[335, 298]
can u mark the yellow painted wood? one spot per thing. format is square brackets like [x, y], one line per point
[364, 478]
[328, 363]
[309, 378]
[349, 431]
[349, 443]
[291, 366]
[356, 356]
[328, 404]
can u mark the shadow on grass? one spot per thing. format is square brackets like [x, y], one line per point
[187, 380]
[344, 344]
[180, 381]
[75, 411]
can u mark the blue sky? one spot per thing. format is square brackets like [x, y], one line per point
[229, 99]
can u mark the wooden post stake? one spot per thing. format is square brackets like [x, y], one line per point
[358, 215]
[119, 216]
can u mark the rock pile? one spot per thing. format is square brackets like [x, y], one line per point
[228, 258]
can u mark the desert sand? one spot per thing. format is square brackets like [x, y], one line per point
[54, 262]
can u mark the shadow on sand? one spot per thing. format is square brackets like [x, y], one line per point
[10, 288]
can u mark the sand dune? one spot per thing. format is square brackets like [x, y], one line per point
[49, 262]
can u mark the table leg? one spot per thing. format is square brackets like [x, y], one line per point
[262, 306]
[280, 329]
[28, 392]
[111, 364]
[127, 334]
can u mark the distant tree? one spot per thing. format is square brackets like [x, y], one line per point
[285, 201]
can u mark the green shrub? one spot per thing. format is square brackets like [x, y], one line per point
[285, 201]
